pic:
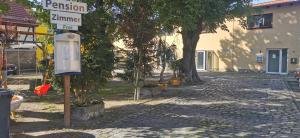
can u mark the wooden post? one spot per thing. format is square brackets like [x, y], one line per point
[67, 106]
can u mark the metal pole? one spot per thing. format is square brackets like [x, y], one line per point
[67, 105]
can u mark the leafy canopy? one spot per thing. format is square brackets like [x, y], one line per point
[137, 26]
[210, 14]
[97, 57]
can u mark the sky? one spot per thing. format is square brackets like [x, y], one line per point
[259, 1]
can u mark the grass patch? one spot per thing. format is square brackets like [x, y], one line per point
[112, 90]
[116, 90]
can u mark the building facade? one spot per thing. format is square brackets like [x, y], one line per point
[270, 43]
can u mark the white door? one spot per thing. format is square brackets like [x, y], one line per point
[200, 60]
[277, 61]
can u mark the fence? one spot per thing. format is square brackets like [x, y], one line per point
[27, 75]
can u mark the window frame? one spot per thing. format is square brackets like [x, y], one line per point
[255, 22]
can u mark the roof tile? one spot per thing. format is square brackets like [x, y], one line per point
[17, 15]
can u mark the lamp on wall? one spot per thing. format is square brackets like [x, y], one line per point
[294, 60]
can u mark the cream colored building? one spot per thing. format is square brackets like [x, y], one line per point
[270, 43]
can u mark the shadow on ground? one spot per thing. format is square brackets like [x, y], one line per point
[61, 135]
[222, 107]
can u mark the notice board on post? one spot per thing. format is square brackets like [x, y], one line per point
[67, 54]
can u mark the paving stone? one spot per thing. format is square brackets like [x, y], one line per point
[237, 105]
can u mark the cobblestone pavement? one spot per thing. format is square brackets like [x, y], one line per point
[225, 106]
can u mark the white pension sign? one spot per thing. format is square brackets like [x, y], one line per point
[65, 18]
[65, 5]
[65, 13]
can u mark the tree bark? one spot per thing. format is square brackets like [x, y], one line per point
[138, 74]
[162, 49]
[190, 40]
[161, 76]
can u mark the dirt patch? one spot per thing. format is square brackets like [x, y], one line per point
[45, 114]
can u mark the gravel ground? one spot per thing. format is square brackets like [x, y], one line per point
[226, 105]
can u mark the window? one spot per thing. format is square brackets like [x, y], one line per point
[260, 21]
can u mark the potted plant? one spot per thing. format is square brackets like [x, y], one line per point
[176, 66]
[163, 86]
[167, 56]
[97, 65]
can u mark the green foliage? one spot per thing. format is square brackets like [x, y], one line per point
[192, 17]
[97, 57]
[177, 67]
[210, 14]
[3, 7]
[26, 3]
[128, 66]
[97, 64]
[97, 50]
[166, 55]
[42, 15]
[137, 26]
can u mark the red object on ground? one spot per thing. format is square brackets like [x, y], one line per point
[42, 90]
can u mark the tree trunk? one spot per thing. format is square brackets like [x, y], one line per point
[138, 74]
[190, 40]
[161, 76]
[163, 60]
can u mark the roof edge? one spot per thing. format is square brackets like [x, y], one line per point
[276, 3]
